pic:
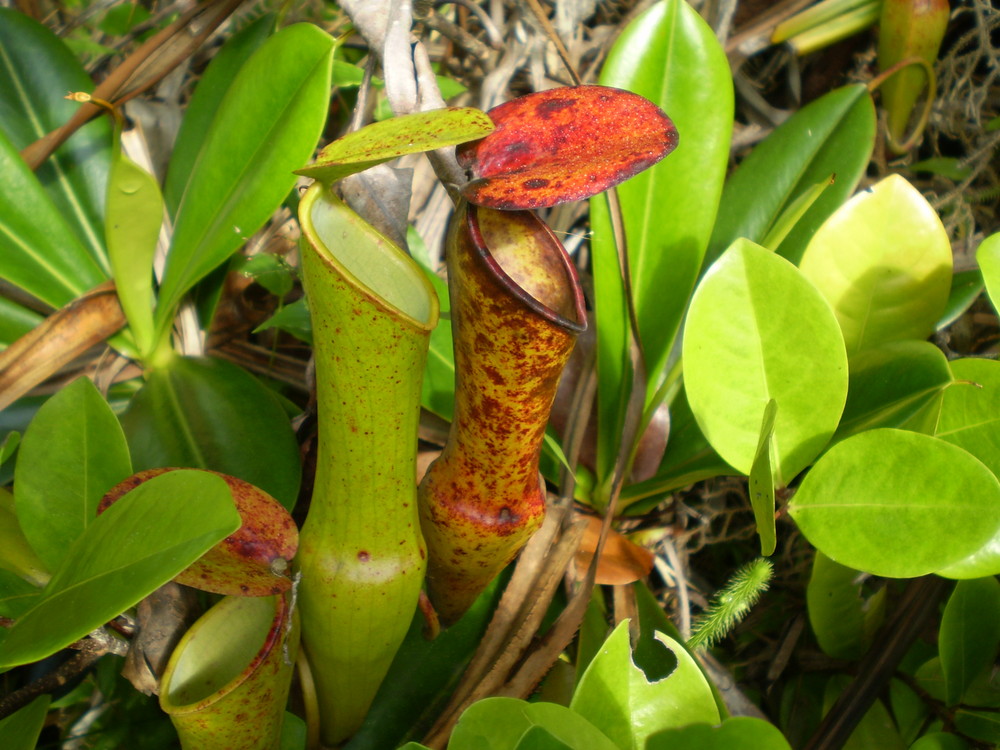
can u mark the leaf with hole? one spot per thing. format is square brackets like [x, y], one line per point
[616, 696]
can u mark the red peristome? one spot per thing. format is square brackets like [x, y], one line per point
[564, 144]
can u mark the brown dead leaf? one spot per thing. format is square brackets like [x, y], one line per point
[621, 562]
[65, 335]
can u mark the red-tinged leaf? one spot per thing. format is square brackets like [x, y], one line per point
[563, 145]
[249, 562]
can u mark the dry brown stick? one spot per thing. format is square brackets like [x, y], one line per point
[60, 338]
[142, 69]
[918, 603]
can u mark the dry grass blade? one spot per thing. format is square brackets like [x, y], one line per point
[142, 69]
[518, 616]
[63, 336]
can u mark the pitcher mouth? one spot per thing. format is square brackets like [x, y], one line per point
[575, 319]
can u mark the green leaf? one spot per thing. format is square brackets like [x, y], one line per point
[40, 251]
[762, 482]
[132, 230]
[215, 82]
[616, 696]
[72, 453]
[17, 596]
[884, 262]
[670, 56]
[891, 383]
[970, 411]
[742, 733]
[16, 554]
[383, 141]
[968, 637]
[206, 413]
[37, 69]
[840, 617]
[266, 125]
[940, 741]
[136, 546]
[969, 419]
[876, 728]
[500, 723]
[20, 730]
[897, 504]
[946, 166]
[988, 258]
[979, 725]
[757, 330]
[15, 321]
[966, 287]
[833, 135]
[422, 676]
[539, 738]
[292, 319]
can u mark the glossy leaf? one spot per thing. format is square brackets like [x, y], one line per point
[132, 230]
[884, 262]
[207, 413]
[757, 330]
[670, 56]
[966, 286]
[21, 729]
[968, 419]
[968, 638]
[879, 487]
[41, 251]
[208, 96]
[383, 141]
[499, 723]
[740, 733]
[988, 258]
[970, 412]
[564, 144]
[36, 71]
[616, 696]
[842, 621]
[762, 482]
[833, 135]
[266, 125]
[72, 453]
[124, 555]
[891, 383]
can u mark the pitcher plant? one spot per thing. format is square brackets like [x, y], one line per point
[361, 554]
